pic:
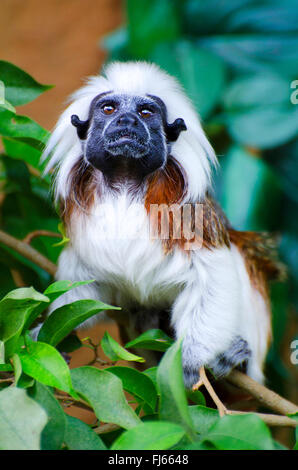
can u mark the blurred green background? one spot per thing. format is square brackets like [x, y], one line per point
[238, 62]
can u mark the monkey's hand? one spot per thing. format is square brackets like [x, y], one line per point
[194, 355]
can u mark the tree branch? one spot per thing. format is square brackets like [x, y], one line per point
[28, 252]
[104, 428]
[40, 233]
[271, 420]
[72, 402]
[17, 278]
[266, 397]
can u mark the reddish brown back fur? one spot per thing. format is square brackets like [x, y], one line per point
[259, 253]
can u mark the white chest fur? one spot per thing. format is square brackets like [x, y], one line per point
[114, 241]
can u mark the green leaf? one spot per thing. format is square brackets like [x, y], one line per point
[65, 239]
[196, 397]
[203, 418]
[2, 352]
[260, 185]
[22, 128]
[264, 128]
[201, 73]
[158, 435]
[136, 383]
[21, 420]
[295, 417]
[52, 436]
[22, 151]
[259, 111]
[115, 42]
[6, 105]
[150, 23]
[245, 432]
[44, 363]
[15, 309]
[58, 288]
[17, 368]
[20, 88]
[104, 392]
[283, 160]
[6, 368]
[196, 445]
[151, 373]
[255, 52]
[69, 344]
[64, 319]
[52, 292]
[199, 20]
[116, 352]
[268, 89]
[246, 16]
[155, 340]
[25, 381]
[173, 403]
[79, 436]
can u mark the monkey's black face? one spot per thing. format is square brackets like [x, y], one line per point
[127, 128]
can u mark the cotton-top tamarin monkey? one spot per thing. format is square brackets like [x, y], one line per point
[130, 145]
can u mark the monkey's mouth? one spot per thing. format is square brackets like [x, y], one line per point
[126, 142]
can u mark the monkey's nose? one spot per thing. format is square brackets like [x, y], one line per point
[127, 120]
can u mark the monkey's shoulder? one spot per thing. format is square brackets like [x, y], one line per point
[259, 249]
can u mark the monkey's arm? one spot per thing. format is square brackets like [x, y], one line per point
[207, 314]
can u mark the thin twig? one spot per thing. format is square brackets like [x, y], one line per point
[73, 402]
[40, 233]
[94, 347]
[104, 428]
[266, 397]
[17, 278]
[203, 380]
[105, 363]
[28, 252]
[270, 419]
[9, 379]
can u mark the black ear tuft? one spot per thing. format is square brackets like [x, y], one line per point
[82, 126]
[173, 130]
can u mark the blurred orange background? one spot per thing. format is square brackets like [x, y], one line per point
[59, 45]
[57, 42]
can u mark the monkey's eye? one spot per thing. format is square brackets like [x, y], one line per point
[145, 113]
[108, 108]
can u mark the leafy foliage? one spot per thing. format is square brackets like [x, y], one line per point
[33, 413]
[237, 61]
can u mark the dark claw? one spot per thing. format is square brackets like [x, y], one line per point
[190, 376]
[237, 354]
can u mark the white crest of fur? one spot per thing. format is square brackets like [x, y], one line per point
[192, 149]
